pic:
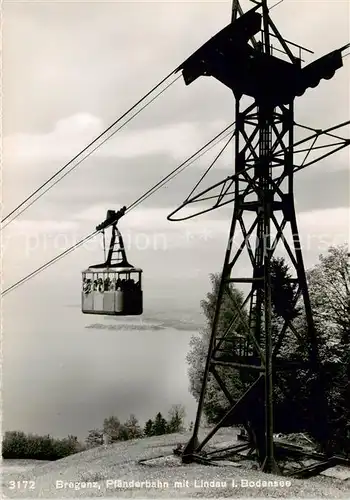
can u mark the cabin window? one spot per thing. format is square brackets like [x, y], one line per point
[111, 281]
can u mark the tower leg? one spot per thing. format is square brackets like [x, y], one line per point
[193, 445]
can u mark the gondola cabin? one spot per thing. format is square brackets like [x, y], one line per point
[114, 287]
[112, 291]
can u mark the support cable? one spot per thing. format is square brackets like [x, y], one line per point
[209, 145]
[89, 146]
[202, 151]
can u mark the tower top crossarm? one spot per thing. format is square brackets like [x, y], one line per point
[250, 67]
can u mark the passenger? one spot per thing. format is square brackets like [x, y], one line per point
[87, 286]
[113, 285]
[95, 285]
[100, 285]
[107, 284]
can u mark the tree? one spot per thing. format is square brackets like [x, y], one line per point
[215, 402]
[112, 428]
[133, 428]
[282, 292]
[148, 430]
[329, 285]
[176, 419]
[14, 444]
[95, 438]
[159, 425]
[123, 433]
[67, 446]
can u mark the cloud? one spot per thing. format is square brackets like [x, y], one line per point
[120, 181]
[119, 58]
[328, 227]
[74, 133]
[42, 226]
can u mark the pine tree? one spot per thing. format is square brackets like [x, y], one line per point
[176, 419]
[160, 425]
[148, 430]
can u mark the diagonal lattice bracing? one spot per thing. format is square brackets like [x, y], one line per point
[316, 146]
[263, 211]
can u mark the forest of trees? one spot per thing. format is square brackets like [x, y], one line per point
[16, 444]
[329, 288]
[113, 430]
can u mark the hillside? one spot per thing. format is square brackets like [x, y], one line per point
[104, 466]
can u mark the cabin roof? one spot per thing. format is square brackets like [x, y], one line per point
[112, 270]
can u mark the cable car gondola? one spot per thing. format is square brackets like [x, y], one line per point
[114, 287]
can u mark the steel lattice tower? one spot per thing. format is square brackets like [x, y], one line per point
[262, 186]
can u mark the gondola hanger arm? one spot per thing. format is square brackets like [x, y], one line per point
[112, 218]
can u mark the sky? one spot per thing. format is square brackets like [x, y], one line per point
[70, 69]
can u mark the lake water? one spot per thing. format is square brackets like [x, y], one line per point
[64, 372]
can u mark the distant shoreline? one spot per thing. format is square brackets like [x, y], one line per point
[154, 321]
[143, 327]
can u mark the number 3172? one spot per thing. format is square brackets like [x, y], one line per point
[22, 485]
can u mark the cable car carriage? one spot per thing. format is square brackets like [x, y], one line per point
[114, 287]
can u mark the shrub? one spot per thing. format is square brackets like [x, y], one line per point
[16, 444]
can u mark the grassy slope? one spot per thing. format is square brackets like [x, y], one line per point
[120, 461]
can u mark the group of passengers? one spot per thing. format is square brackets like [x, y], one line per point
[109, 285]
